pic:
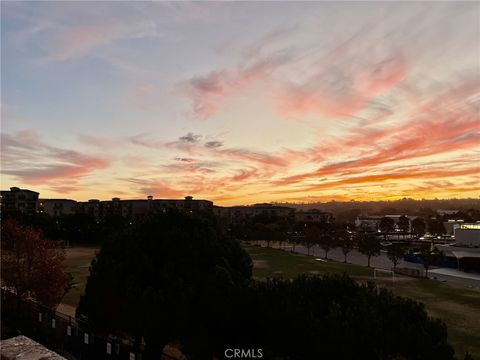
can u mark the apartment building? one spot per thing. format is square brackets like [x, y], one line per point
[21, 200]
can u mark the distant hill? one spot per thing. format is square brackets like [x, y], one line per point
[346, 211]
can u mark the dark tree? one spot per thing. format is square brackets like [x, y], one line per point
[327, 242]
[403, 223]
[430, 256]
[345, 242]
[419, 226]
[162, 278]
[395, 253]
[386, 225]
[332, 318]
[312, 237]
[435, 227]
[369, 245]
[31, 265]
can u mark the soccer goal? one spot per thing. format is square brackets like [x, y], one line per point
[382, 273]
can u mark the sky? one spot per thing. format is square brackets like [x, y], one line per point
[241, 102]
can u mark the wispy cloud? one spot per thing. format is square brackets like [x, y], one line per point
[210, 92]
[26, 157]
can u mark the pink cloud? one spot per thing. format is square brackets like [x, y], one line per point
[335, 92]
[80, 40]
[209, 93]
[28, 158]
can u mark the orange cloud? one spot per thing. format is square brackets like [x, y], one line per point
[29, 159]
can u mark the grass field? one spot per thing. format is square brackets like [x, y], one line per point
[457, 306]
[77, 262]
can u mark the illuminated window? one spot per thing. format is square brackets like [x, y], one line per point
[470, 226]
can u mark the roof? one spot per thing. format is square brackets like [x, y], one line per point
[22, 347]
[18, 189]
[466, 254]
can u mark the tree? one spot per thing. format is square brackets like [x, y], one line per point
[386, 225]
[395, 253]
[312, 236]
[435, 227]
[164, 279]
[369, 245]
[327, 242]
[346, 244]
[331, 318]
[403, 223]
[430, 256]
[419, 226]
[31, 265]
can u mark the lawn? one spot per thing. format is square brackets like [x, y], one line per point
[457, 306]
[77, 262]
[279, 263]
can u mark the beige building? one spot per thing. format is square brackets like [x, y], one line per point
[139, 207]
[22, 200]
[238, 214]
[58, 207]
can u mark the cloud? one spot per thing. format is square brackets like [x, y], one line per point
[190, 138]
[268, 40]
[443, 125]
[342, 90]
[81, 40]
[184, 159]
[26, 157]
[67, 41]
[210, 92]
[214, 144]
[101, 142]
[156, 188]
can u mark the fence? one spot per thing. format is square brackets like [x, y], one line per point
[60, 332]
[409, 272]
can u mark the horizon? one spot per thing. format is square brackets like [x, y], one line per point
[257, 203]
[300, 104]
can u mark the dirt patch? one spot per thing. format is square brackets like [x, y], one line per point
[78, 252]
[260, 264]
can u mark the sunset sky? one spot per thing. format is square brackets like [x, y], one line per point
[241, 102]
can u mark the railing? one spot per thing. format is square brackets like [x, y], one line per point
[60, 332]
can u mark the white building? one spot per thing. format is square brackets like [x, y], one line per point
[468, 234]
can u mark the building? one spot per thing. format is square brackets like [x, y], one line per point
[451, 225]
[90, 207]
[139, 207]
[186, 205]
[314, 216]
[240, 214]
[22, 200]
[58, 207]
[368, 223]
[372, 223]
[468, 234]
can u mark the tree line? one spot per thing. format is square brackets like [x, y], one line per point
[180, 278]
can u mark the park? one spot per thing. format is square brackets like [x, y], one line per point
[455, 304]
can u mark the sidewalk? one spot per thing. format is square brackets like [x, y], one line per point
[455, 273]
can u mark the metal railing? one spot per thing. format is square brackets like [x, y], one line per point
[61, 333]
